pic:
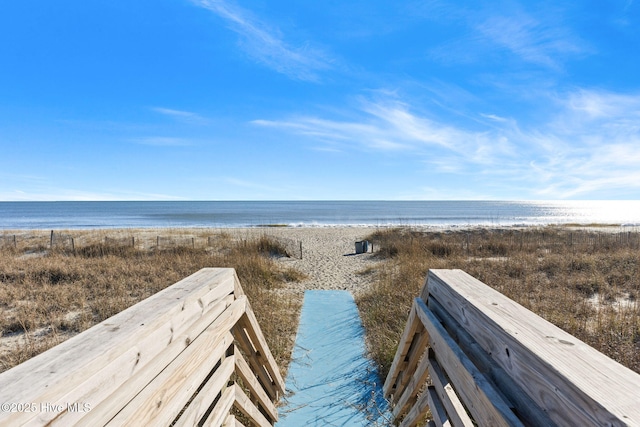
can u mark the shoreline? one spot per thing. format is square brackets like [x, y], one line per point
[312, 226]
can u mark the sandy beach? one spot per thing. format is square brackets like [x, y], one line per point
[328, 256]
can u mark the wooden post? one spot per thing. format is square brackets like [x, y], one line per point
[300, 249]
[468, 245]
[51, 240]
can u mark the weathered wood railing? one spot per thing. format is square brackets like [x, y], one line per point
[172, 359]
[472, 356]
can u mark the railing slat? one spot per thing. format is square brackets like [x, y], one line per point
[248, 377]
[163, 395]
[203, 401]
[437, 409]
[410, 392]
[390, 385]
[246, 345]
[528, 411]
[245, 406]
[126, 391]
[232, 421]
[485, 404]
[220, 411]
[263, 350]
[447, 395]
[417, 412]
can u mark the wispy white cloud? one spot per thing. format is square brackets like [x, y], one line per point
[589, 143]
[494, 117]
[392, 126]
[541, 38]
[180, 115]
[267, 45]
[586, 104]
[530, 39]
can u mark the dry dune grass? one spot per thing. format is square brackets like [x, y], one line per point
[50, 293]
[586, 282]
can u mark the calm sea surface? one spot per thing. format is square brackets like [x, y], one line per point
[69, 215]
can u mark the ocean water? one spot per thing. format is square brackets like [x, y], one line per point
[84, 215]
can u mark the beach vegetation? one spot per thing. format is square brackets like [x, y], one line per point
[51, 291]
[585, 281]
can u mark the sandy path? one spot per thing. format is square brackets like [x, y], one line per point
[328, 257]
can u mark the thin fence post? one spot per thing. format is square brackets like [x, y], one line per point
[301, 249]
[468, 245]
[51, 240]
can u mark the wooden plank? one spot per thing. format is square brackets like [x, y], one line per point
[200, 404]
[573, 382]
[248, 377]
[410, 393]
[484, 402]
[237, 287]
[222, 408]
[169, 392]
[398, 364]
[528, 411]
[447, 395]
[417, 412]
[259, 356]
[244, 405]
[438, 412]
[257, 366]
[65, 373]
[230, 421]
[263, 349]
[164, 396]
[414, 355]
[123, 390]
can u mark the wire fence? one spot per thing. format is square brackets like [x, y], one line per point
[8, 241]
[56, 240]
[504, 242]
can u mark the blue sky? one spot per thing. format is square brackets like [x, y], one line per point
[351, 99]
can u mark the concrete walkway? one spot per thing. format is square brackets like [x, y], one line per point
[330, 381]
